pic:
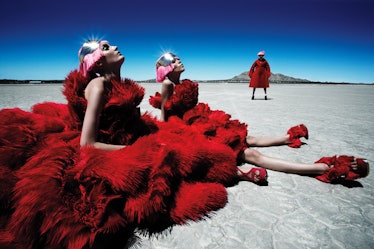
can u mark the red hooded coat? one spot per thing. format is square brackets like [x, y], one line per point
[259, 74]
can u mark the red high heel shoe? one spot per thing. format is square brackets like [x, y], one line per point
[297, 132]
[258, 176]
[344, 167]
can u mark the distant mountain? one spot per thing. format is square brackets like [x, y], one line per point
[274, 78]
[241, 78]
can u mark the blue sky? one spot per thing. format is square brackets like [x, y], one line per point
[318, 40]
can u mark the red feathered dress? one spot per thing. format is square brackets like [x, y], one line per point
[215, 125]
[259, 74]
[55, 194]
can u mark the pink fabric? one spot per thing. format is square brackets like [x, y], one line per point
[89, 60]
[261, 53]
[162, 71]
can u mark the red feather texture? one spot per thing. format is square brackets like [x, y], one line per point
[69, 198]
[38, 193]
[155, 100]
[127, 93]
[217, 126]
[58, 195]
[59, 205]
[120, 121]
[59, 112]
[194, 201]
[200, 158]
[20, 133]
[179, 157]
[184, 98]
[15, 152]
[7, 182]
[340, 169]
[19, 136]
[73, 90]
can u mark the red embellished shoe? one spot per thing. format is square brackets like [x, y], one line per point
[344, 167]
[258, 176]
[297, 132]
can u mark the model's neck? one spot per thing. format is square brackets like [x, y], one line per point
[175, 78]
[117, 74]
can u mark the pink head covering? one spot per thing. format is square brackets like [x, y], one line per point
[88, 55]
[162, 71]
[164, 66]
[261, 53]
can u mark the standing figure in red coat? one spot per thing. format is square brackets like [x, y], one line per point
[259, 74]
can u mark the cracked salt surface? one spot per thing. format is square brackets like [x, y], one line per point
[293, 211]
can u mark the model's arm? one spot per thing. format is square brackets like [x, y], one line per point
[94, 94]
[166, 92]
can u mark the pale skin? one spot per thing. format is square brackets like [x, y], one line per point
[111, 63]
[167, 90]
[250, 155]
[168, 85]
[254, 157]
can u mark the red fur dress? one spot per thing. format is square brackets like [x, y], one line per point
[54, 194]
[215, 125]
[259, 74]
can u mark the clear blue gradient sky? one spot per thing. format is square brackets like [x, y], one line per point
[318, 40]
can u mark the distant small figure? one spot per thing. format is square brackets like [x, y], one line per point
[259, 74]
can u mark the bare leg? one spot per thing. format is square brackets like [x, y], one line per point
[267, 141]
[166, 91]
[256, 158]
[292, 138]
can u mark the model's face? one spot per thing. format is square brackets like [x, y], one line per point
[111, 54]
[178, 66]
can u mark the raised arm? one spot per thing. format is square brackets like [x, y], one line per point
[94, 94]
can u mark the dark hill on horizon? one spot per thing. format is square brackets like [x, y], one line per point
[243, 77]
[276, 78]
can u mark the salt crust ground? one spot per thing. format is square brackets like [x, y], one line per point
[293, 211]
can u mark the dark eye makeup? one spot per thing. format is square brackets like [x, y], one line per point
[105, 46]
